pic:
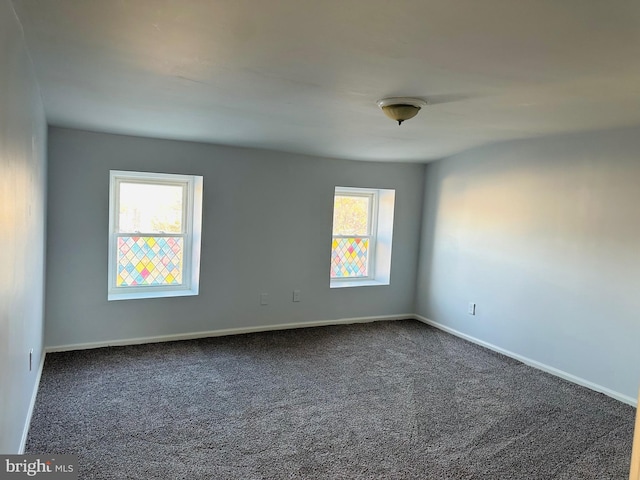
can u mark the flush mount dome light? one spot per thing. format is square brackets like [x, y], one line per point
[401, 108]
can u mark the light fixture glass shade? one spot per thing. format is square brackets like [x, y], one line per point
[400, 113]
[401, 108]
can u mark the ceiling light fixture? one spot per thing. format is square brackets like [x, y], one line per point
[401, 108]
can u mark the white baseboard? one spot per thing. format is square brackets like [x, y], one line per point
[532, 363]
[32, 403]
[226, 331]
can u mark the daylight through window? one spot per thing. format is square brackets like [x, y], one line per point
[353, 239]
[155, 242]
[362, 236]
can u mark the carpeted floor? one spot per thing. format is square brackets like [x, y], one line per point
[387, 400]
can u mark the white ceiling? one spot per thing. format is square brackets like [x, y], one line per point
[304, 75]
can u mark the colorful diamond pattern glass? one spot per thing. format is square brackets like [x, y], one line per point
[149, 261]
[349, 257]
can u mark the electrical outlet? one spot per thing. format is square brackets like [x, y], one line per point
[264, 299]
[296, 295]
[472, 308]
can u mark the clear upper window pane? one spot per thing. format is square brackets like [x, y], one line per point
[351, 215]
[151, 208]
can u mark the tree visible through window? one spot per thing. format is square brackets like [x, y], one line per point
[353, 233]
[147, 207]
[150, 234]
[152, 225]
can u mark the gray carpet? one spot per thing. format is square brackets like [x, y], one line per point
[387, 400]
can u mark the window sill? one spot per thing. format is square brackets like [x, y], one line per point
[155, 294]
[356, 283]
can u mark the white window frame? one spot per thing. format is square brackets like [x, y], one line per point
[381, 213]
[372, 228]
[191, 234]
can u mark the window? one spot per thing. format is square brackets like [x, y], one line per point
[353, 243]
[362, 234]
[154, 243]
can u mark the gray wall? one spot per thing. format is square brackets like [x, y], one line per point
[22, 217]
[544, 235]
[266, 228]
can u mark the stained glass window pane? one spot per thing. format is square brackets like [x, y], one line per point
[349, 257]
[149, 261]
[351, 215]
[150, 208]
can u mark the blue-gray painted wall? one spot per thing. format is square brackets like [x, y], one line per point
[22, 221]
[544, 236]
[266, 228]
